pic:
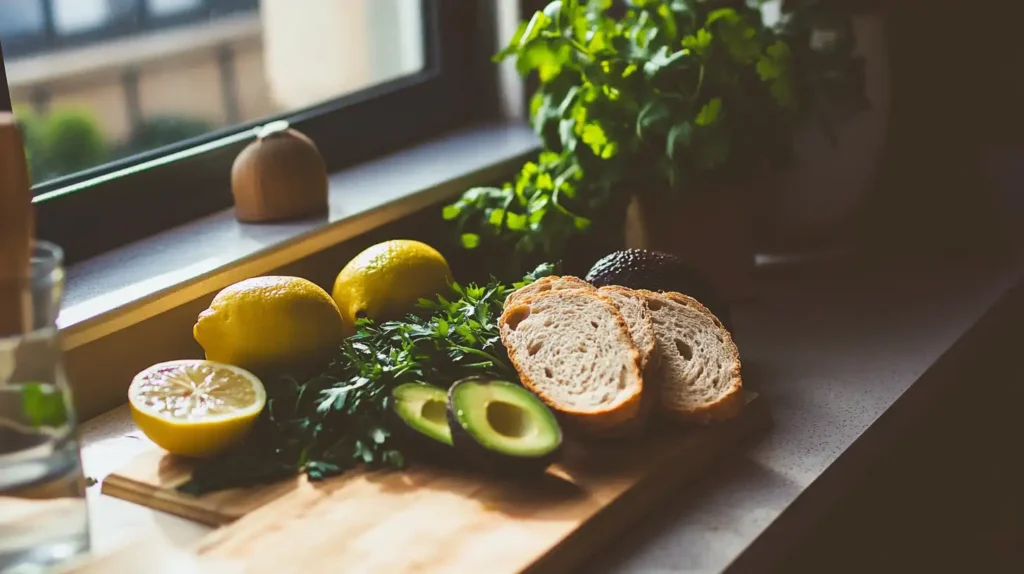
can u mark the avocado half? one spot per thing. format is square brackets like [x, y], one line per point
[419, 409]
[500, 426]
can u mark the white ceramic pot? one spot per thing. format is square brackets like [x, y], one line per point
[829, 181]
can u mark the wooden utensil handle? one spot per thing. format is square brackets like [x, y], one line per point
[5, 92]
[16, 230]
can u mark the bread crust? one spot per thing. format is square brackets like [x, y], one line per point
[730, 403]
[544, 284]
[601, 421]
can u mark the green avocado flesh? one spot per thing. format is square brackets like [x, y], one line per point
[505, 418]
[423, 408]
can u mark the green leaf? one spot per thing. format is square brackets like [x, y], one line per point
[726, 14]
[554, 10]
[699, 42]
[496, 217]
[394, 459]
[739, 38]
[43, 405]
[663, 60]
[774, 67]
[668, 20]
[379, 434]
[539, 204]
[565, 107]
[653, 117]
[537, 24]
[594, 136]
[544, 182]
[709, 113]
[513, 45]
[547, 57]
[679, 137]
[451, 212]
[581, 223]
[567, 134]
[515, 221]
[470, 240]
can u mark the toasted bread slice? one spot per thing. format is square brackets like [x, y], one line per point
[573, 349]
[699, 371]
[550, 283]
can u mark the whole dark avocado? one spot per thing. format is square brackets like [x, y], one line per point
[657, 271]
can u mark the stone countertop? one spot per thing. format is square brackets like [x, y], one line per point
[831, 348]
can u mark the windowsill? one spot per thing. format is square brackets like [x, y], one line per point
[120, 53]
[845, 358]
[140, 280]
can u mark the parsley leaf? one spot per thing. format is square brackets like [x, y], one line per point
[338, 419]
[709, 113]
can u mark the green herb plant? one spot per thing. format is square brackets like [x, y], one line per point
[338, 419]
[669, 95]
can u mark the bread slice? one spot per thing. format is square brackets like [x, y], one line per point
[631, 305]
[549, 283]
[699, 372]
[633, 308]
[573, 349]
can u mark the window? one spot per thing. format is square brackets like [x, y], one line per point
[133, 110]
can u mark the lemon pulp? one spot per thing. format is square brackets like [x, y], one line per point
[195, 408]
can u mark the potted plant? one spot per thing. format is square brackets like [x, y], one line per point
[677, 112]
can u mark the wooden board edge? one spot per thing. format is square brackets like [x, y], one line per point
[574, 550]
[150, 497]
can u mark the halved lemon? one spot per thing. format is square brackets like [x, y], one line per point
[195, 408]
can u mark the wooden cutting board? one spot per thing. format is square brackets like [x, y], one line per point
[426, 519]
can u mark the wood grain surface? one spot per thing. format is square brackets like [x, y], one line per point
[427, 519]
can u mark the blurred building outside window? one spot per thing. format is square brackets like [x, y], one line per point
[98, 80]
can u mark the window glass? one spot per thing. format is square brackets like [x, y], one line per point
[171, 7]
[76, 16]
[20, 18]
[122, 77]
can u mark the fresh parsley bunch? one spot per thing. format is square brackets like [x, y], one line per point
[669, 95]
[338, 419]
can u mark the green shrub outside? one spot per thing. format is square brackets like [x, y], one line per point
[71, 140]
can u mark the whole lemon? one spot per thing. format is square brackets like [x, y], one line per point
[385, 281]
[271, 325]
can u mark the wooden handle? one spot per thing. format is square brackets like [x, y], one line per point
[16, 230]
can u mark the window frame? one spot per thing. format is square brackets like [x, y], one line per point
[94, 211]
[140, 20]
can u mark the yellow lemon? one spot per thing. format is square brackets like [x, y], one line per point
[385, 281]
[271, 324]
[195, 408]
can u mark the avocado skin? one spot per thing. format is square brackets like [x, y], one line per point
[657, 271]
[476, 456]
[418, 446]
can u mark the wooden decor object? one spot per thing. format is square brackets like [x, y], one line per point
[426, 519]
[16, 230]
[279, 176]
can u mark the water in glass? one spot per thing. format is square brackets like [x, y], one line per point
[43, 515]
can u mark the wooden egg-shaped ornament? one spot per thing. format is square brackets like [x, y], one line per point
[279, 176]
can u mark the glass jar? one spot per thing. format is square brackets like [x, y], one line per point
[43, 514]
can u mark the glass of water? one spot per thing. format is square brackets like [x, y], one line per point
[43, 515]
